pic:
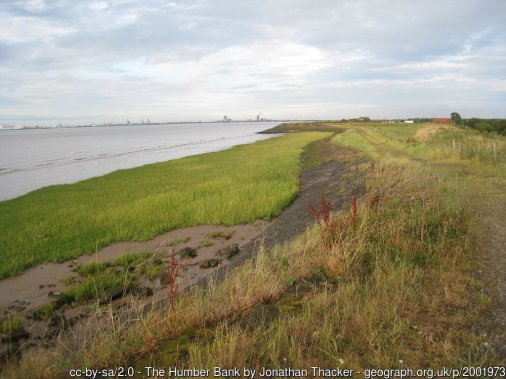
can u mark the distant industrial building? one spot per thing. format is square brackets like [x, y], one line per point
[226, 119]
[364, 119]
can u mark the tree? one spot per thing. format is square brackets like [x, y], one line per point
[457, 120]
[484, 126]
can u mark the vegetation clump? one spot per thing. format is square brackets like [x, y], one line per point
[12, 329]
[188, 252]
[178, 241]
[94, 286]
[101, 277]
[44, 311]
[205, 243]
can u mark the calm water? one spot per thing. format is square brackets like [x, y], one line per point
[31, 159]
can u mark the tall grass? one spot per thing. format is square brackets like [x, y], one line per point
[234, 186]
[393, 290]
[470, 145]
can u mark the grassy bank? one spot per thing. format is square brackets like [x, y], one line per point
[390, 285]
[234, 186]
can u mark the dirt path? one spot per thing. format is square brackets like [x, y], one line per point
[491, 208]
[334, 179]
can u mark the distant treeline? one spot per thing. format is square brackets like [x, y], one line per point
[487, 125]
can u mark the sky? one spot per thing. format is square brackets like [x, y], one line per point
[81, 62]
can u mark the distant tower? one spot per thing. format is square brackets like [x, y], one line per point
[225, 118]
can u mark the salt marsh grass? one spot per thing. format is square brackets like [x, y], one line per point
[234, 186]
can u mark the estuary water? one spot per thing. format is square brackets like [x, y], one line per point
[35, 158]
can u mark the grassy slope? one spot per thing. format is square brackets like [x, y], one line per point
[395, 291]
[234, 186]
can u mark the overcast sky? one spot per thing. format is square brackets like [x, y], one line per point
[96, 61]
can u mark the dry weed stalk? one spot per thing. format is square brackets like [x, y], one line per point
[328, 225]
[322, 215]
[171, 281]
[354, 212]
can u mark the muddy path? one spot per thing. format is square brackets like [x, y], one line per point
[338, 177]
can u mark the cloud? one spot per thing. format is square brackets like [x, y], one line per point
[99, 5]
[103, 60]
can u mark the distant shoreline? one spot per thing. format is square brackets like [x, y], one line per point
[107, 125]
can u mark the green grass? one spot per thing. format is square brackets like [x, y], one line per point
[99, 277]
[10, 325]
[133, 259]
[205, 243]
[93, 268]
[143, 262]
[153, 270]
[178, 241]
[382, 141]
[399, 132]
[234, 186]
[88, 269]
[470, 145]
[352, 139]
[44, 312]
[92, 287]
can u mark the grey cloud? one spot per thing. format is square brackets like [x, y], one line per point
[119, 58]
